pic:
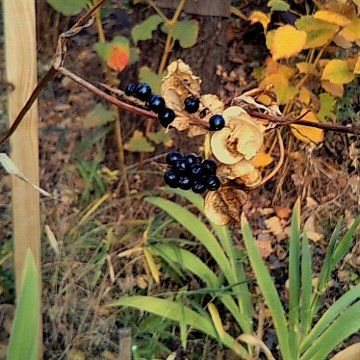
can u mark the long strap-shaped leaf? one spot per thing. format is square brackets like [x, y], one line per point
[195, 227]
[178, 312]
[192, 263]
[238, 272]
[332, 312]
[268, 289]
[344, 326]
[294, 279]
[24, 339]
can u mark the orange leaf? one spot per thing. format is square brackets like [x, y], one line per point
[262, 159]
[118, 59]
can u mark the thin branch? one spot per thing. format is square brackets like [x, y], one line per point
[111, 99]
[283, 121]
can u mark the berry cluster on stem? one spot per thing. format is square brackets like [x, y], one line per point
[190, 172]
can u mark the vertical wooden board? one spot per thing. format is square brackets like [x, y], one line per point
[20, 58]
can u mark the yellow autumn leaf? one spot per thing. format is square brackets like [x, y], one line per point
[333, 89]
[304, 96]
[338, 72]
[357, 66]
[151, 264]
[332, 17]
[308, 134]
[262, 159]
[351, 32]
[306, 68]
[262, 18]
[284, 92]
[287, 42]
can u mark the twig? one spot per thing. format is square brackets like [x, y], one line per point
[113, 100]
[283, 121]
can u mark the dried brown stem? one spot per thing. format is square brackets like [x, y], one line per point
[283, 121]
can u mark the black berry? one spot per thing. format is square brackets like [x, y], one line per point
[209, 167]
[191, 104]
[198, 187]
[156, 103]
[143, 92]
[185, 183]
[216, 122]
[173, 157]
[213, 182]
[166, 117]
[191, 159]
[130, 89]
[171, 178]
[197, 171]
[181, 167]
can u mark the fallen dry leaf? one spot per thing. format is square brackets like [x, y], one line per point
[264, 245]
[311, 231]
[275, 226]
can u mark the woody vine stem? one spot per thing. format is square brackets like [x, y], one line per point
[58, 68]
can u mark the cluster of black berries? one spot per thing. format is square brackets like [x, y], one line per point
[166, 116]
[189, 172]
[154, 102]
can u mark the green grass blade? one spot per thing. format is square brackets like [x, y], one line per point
[178, 312]
[188, 261]
[344, 244]
[334, 311]
[238, 273]
[344, 326]
[306, 286]
[325, 269]
[268, 289]
[24, 339]
[192, 263]
[195, 227]
[294, 278]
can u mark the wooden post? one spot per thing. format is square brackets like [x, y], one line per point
[21, 65]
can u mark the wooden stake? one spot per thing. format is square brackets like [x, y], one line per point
[20, 57]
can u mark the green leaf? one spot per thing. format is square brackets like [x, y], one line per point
[195, 227]
[145, 29]
[98, 116]
[177, 312]
[237, 269]
[185, 31]
[139, 143]
[159, 137]
[278, 5]
[331, 313]
[268, 289]
[24, 339]
[294, 277]
[146, 75]
[116, 53]
[327, 106]
[318, 32]
[68, 7]
[344, 326]
[134, 55]
[306, 285]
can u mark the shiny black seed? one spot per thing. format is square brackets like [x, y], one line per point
[213, 183]
[156, 103]
[191, 104]
[209, 167]
[197, 171]
[171, 179]
[143, 92]
[185, 183]
[191, 159]
[130, 89]
[216, 122]
[173, 157]
[166, 117]
[198, 187]
[181, 167]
